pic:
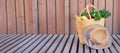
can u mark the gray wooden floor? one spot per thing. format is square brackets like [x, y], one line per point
[50, 43]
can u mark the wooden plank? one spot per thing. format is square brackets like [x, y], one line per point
[23, 47]
[68, 44]
[81, 5]
[109, 21]
[100, 51]
[2, 47]
[61, 45]
[3, 36]
[55, 44]
[101, 4]
[74, 46]
[42, 16]
[48, 44]
[80, 50]
[30, 16]
[89, 2]
[11, 18]
[29, 49]
[106, 50]
[51, 16]
[93, 50]
[20, 16]
[73, 12]
[60, 16]
[96, 3]
[3, 17]
[116, 39]
[18, 41]
[21, 44]
[86, 48]
[118, 36]
[116, 23]
[67, 15]
[116, 45]
[112, 49]
[42, 44]
[8, 40]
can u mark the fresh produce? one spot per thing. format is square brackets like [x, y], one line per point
[82, 17]
[105, 13]
[97, 15]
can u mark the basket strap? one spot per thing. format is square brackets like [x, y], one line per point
[88, 11]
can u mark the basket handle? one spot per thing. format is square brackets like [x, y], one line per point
[88, 11]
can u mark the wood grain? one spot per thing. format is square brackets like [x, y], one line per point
[89, 1]
[116, 22]
[60, 16]
[20, 17]
[67, 16]
[96, 3]
[81, 5]
[30, 16]
[11, 18]
[42, 16]
[3, 25]
[49, 43]
[51, 16]
[101, 4]
[73, 12]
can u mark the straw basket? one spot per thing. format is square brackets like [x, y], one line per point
[81, 24]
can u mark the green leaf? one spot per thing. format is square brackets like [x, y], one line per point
[96, 15]
[104, 13]
[84, 14]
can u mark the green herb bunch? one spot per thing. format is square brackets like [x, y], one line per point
[97, 15]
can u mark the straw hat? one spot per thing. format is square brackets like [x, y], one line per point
[98, 37]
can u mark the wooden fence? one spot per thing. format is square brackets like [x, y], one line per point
[51, 16]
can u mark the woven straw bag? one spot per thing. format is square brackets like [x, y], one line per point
[82, 24]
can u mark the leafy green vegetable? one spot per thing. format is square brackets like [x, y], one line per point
[95, 14]
[105, 13]
[84, 14]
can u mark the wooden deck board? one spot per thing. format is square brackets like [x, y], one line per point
[8, 40]
[106, 50]
[93, 51]
[39, 46]
[21, 44]
[18, 41]
[5, 38]
[6, 44]
[2, 36]
[74, 46]
[116, 45]
[68, 44]
[100, 51]
[23, 47]
[61, 45]
[80, 49]
[112, 49]
[29, 49]
[50, 43]
[86, 50]
[53, 47]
